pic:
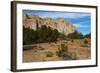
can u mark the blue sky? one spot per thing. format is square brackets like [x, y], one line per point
[81, 20]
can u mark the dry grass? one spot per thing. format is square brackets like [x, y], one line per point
[39, 53]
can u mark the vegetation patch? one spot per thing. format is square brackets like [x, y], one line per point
[75, 35]
[85, 41]
[62, 50]
[41, 35]
[49, 54]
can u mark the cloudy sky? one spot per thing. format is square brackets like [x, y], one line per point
[81, 20]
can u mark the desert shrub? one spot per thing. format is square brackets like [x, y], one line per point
[75, 35]
[49, 54]
[85, 41]
[62, 36]
[29, 36]
[87, 35]
[47, 34]
[62, 50]
[72, 40]
[41, 48]
[42, 34]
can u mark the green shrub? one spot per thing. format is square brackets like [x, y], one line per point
[41, 35]
[87, 35]
[29, 36]
[72, 40]
[49, 54]
[41, 48]
[75, 35]
[62, 50]
[85, 41]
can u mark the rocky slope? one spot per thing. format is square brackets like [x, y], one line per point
[34, 21]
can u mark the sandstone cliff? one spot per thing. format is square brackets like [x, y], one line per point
[31, 21]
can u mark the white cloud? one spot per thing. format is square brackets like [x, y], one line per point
[66, 14]
[75, 15]
[62, 14]
[81, 26]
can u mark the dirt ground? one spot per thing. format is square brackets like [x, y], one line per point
[39, 52]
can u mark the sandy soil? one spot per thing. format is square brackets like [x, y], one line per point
[39, 53]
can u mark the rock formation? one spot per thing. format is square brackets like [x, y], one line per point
[34, 21]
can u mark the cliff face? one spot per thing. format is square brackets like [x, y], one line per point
[31, 21]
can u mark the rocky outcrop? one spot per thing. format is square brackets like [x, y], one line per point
[34, 21]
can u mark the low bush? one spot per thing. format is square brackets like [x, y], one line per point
[41, 35]
[75, 35]
[62, 50]
[85, 41]
[49, 54]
